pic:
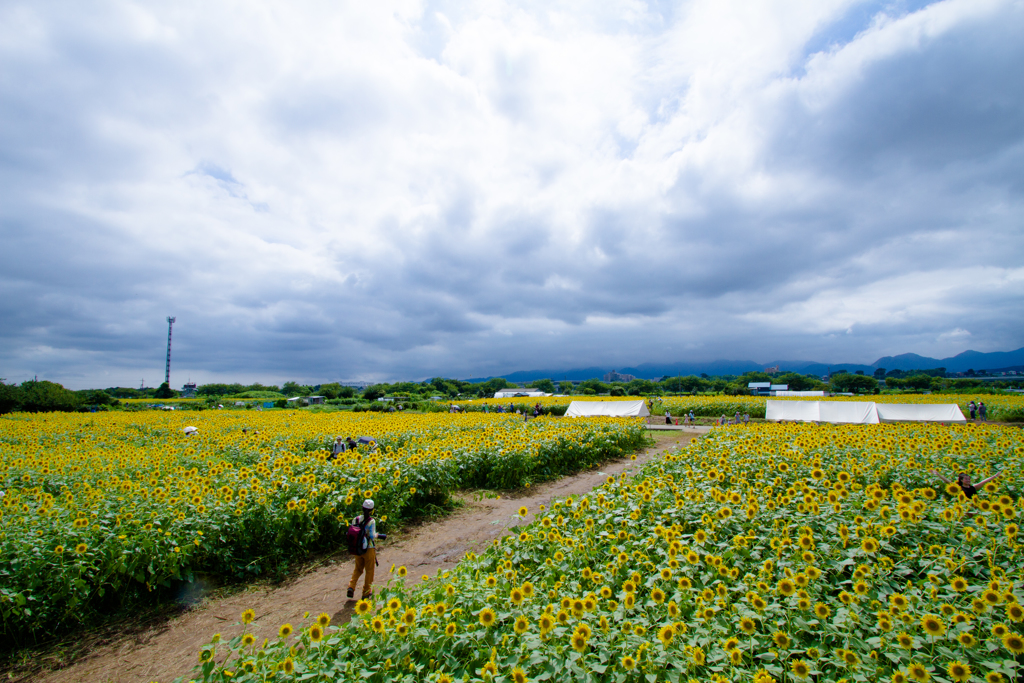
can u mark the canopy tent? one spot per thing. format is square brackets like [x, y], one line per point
[607, 409]
[928, 412]
[852, 412]
[799, 393]
[802, 411]
[861, 412]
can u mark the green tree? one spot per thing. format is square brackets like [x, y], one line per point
[846, 382]
[219, 390]
[596, 385]
[11, 397]
[565, 387]
[293, 389]
[545, 385]
[639, 387]
[797, 382]
[43, 396]
[879, 373]
[165, 391]
[373, 392]
[331, 390]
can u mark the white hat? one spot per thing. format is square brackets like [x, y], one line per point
[368, 504]
[190, 430]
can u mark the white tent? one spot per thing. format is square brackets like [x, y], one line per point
[844, 412]
[802, 411]
[928, 412]
[861, 412]
[607, 409]
[799, 393]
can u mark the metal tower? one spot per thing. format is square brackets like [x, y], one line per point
[167, 371]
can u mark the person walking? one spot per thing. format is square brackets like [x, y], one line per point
[668, 417]
[971, 407]
[691, 416]
[982, 412]
[368, 560]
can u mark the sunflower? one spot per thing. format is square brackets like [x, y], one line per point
[905, 640]
[523, 511]
[822, 611]
[59, 550]
[248, 639]
[578, 642]
[958, 671]
[521, 625]
[932, 625]
[918, 672]
[748, 625]
[284, 631]
[993, 677]
[394, 604]
[628, 663]
[487, 616]
[658, 595]
[800, 669]
[1000, 630]
[899, 677]
[781, 639]
[1014, 612]
[869, 545]
[363, 607]
[786, 587]
[288, 666]
[205, 655]
[967, 640]
[316, 633]
[81, 548]
[1013, 643]
[248, 616]
[958, 584]
[489, 669]
[899, 601]
[402, 630]
[377, 624]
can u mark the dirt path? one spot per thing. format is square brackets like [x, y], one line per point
[169, 649]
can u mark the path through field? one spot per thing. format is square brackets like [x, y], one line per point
[169, 650]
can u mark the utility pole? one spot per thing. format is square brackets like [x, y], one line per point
[167, 370]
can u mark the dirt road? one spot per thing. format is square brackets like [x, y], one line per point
[169, 649]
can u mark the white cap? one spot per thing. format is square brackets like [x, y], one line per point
[368, 504]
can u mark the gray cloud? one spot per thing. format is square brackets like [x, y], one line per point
[464, 191]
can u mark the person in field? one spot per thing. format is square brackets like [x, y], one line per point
[964, 480]
[368, 560]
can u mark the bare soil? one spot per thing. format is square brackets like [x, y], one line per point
[167, 647]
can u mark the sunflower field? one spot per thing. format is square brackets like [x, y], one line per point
[98, 510]
[761, 553]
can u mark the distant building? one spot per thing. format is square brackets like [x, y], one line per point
[189, 390]
[618, 377]
[760, 388]
[519, 392]
[772, 370]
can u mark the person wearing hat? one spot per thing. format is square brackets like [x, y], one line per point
[368, 560]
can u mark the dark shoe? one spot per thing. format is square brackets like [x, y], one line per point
[367, 596]
[351, 592]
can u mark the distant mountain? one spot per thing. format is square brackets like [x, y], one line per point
[968, 360]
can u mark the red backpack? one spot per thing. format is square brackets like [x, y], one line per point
[354, 537]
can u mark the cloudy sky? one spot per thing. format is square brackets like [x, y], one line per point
[328, 191]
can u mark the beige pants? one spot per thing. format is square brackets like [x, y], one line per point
[367, 561]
